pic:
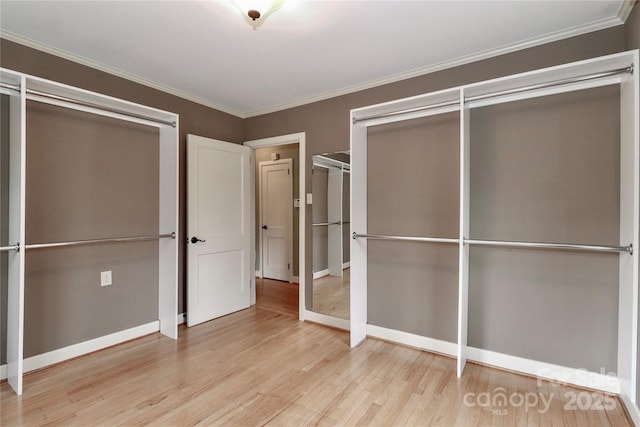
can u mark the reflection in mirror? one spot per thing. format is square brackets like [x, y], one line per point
[331, 231]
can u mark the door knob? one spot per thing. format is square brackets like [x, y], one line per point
[196, 240]
[264, 227]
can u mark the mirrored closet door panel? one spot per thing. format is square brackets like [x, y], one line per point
[331, 230]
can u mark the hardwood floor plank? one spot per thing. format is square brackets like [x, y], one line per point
[261, 366]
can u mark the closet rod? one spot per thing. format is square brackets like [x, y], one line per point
[317, 224]
[100, 241]
[406, 238]
[578, 79]
[15, 247]
[10, 86]
[554, 83]
[407, 111]
[569, 246]
[98, 107]
[88, 104]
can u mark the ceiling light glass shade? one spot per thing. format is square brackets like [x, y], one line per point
[256, 11]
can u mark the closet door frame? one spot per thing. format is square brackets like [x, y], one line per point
[491, 92]
[26, 87]
[17, 203]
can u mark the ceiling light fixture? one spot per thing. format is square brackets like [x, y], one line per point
[255, 12]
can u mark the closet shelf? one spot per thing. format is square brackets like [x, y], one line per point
[171, 235]
[37, 95]
[495, 94]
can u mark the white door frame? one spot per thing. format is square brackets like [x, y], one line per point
[294, 138]
[258, 222]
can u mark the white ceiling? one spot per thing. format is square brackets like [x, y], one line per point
[305, 51]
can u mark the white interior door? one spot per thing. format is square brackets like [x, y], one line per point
[219, 228]
[276, 213]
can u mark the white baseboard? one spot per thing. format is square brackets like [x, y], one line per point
[326, 320]
[295, 279]
[259, 274]
[413, 340]
[547, 371]
[632, 409]
[346, 265]
[181, 319]
[321, 273]
[542, 370]
[60, 355]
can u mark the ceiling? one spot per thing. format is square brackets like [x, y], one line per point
[305, 51]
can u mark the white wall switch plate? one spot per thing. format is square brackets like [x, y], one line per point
[309, 198]
[296, 203]
[105, 278]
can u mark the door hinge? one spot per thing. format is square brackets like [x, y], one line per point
[288, 172]
[288, 266]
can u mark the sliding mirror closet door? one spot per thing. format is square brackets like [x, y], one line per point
[413, 191]
[330, 228]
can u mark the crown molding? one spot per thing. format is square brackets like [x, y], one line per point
[625, 10]
[619, 19]
[7, 35]
[463, 60]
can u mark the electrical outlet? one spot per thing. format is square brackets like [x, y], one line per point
[105, 278]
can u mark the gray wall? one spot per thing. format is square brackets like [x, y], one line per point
[546, 170]
[88, 177]
[289, 151]
[413, 181]
[632, 27]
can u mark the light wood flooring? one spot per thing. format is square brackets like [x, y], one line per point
[331, 295]
[261, 366]
[274, 295]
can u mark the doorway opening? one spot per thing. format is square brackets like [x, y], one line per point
[279, 182]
